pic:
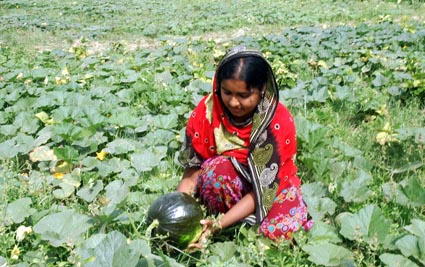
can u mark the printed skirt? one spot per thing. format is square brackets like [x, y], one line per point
[220, 187]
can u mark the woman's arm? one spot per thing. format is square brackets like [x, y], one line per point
[188, 182]
[242, 209]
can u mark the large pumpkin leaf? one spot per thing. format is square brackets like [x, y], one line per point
[110, 250]
[224, 250]
[408, 192]
[327, 254]
[166, 121]
[90, 191]
[414, 191]
[322, 232]
[119, 146]
[116, 192]
[318, 204]
[18, 210]
[410, 245]
[368, 224]
[65, 190]
[417, 228]
[356, 190]
[148, 159]
[395, 260]
[63, 227]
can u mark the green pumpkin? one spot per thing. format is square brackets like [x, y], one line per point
[176, 215]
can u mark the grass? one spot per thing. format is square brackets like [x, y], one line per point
[39, 25]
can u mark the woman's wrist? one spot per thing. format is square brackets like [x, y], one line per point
[216, 223]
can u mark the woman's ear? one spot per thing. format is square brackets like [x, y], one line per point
[263, 91]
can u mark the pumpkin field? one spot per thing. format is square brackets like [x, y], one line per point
[94, 99]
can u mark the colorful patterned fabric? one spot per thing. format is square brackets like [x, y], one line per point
[262, 152]
[219, 186]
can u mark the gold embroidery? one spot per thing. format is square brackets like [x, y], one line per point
[262, 155]
[226, 141]
[268, 196]
[256, 120]
[209, 107]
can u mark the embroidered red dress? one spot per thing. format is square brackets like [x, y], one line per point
[258, 157]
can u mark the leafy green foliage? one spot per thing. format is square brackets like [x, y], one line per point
[90, 126]
[63, 227]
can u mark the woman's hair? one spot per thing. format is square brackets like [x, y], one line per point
[252, 70]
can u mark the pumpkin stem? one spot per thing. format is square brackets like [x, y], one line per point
[152, 226]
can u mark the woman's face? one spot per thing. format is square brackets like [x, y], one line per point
[240, 100]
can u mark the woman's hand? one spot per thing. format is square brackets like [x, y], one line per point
[188, 182]
[209, 227]
[207, 231]
[241, 210]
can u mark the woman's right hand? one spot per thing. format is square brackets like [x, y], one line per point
[209, 227]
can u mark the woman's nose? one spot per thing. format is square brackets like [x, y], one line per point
[233, 102]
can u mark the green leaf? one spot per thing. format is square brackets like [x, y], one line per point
[395, 260]
[113, 165]
[110, 250]
[18, 210]
[166, 121]
[120, 146]
[64, 227]
[225, 250]
[322, 232]
[90, 191]
[27, 122]
[414, 191]
[326, 254]
[410, 245]
[65, 190]
[417, 228]
[408, 192]
[7, 149]
[357, 190]
[67, 153]
[392, 191]
[149, 159]
[368, 224]
[158, 137]
[125, 119]
[318, 204]
[408, 167]
[116, 192]
[379, 80]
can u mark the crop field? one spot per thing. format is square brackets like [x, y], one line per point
[94, 97]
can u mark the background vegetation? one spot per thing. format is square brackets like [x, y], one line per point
[94, 96]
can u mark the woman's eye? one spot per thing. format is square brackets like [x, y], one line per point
[244, 95]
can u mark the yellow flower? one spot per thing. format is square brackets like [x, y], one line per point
[386, 135]
[14, 254]
[59, 175]
[101, 155]
[383, 137]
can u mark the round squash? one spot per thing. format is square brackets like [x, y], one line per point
[176, 215]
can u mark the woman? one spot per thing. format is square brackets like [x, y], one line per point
[240, 149]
